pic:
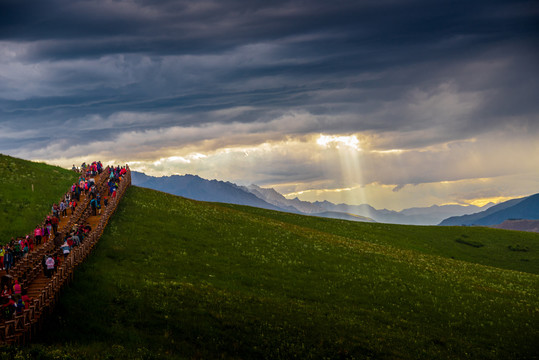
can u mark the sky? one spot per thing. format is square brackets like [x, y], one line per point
[392, 103]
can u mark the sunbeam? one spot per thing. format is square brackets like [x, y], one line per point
[348, 152]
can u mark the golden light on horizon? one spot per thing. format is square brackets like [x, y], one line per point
[485, 201]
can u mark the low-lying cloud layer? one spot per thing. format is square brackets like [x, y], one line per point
[419, 102]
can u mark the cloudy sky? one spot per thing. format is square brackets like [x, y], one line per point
[393, 103]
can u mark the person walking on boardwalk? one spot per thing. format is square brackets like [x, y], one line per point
[2, 253]
[17, 288]
[8, 309]
[73, 205]
[54, 223]
[20, 306]
[6, 294]
[77, 193]
[17, 251]
[38, 232]
[62, 208]
[8, 258]
[65, 248]
[49, 228]
[25, 247]
[65, 205]
[55, 211]
[49, 263]
[98, 199]
[93, 204]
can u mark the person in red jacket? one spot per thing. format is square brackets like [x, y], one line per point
[54, 223]
[6, 294]
[9, 308]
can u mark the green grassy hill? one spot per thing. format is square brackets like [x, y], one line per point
[22, 207]
[175, 278]
[504, 249]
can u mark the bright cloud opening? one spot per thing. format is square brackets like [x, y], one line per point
[339, 141]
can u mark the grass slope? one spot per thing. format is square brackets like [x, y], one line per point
[21, 209]
[175, 278]
[480, 245]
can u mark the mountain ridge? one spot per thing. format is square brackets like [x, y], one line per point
[197, 188]
[521, 208]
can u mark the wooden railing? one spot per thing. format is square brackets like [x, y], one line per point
[23, 326]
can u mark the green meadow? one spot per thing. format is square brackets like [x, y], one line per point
[174, 278]
[505, 249]
[27, 192]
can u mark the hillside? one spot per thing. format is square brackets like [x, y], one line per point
[27, 192]
[471, 244]
[520, 225]
[175, 278]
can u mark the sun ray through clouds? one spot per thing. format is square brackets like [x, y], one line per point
[349, 156]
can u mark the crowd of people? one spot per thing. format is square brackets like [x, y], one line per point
[13, 298]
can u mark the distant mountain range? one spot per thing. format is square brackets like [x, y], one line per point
[197, 188]
[526, 208]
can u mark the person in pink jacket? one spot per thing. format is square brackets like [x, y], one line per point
[17, 289]
[38, 232]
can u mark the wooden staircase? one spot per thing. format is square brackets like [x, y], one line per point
[44, 291]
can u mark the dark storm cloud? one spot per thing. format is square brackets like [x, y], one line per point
[446, 69]
[84, 28]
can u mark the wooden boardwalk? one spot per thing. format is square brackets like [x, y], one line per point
[44, 291]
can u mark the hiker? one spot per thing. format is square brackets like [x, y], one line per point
[62, 208]
[17, 252]
[75, 238]
[6, 294]
[54, 223]
[54, 210]
[93, 204]
[2, 253]
[77, 193]
[26, 298]
[65, 206]
[17, 288]
[70, 241]
[45, 236]
[20, 306]
[57, 260]
[73, 205]
[44, 264]
[8, 309]
[25, 248]
[65, 248]
[49, 263]
[98, 200]
[48, 230]
[8, 258]
[38, 232]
